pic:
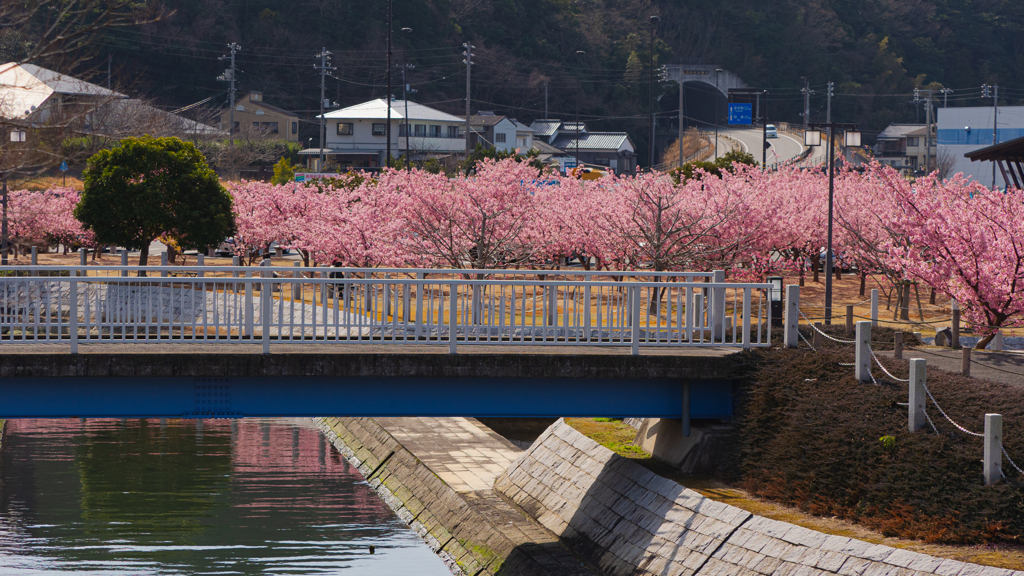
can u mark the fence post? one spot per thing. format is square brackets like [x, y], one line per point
[163, 262]
[792, 319]
[874, 307]
[817, 340]
[452, 318]
[386, 292]
[634, 305]
[863, 354]
[746, 318]
[897, 345]
[997, 342]
[697, 314]
[124, 261]
[420, 312]
[406, 302]
[35, 256]
[83, 256]
[248, 305]
[956, 325]
[965, 361]
[718, 301]
[916, 405]
[993, 462]
[586, 308]
[296, 286]
[73, 319]
[849, 319]
[266, 309]
[200, 261]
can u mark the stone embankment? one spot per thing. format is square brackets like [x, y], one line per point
[569, 506]
[620, 517]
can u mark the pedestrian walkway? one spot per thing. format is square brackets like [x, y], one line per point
[464, 453]
[1004, 367]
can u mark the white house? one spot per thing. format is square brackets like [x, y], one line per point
[963, 130]
[614, 150]
[357, 135]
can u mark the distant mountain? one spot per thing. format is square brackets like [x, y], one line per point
[879, 49]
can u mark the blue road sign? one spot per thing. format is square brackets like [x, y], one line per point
[63, 166]
[740, 113]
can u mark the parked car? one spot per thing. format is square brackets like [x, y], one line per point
[771, 131]
[226, 248]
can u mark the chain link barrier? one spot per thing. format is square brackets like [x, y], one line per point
[811, 324]
[887, 373]
[1012, 463]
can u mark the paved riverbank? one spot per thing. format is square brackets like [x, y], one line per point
[1005, 367]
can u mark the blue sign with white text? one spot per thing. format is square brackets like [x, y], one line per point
[740, 113]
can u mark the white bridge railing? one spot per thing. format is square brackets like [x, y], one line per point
[209, 304]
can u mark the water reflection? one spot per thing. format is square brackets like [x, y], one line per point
[182, 497]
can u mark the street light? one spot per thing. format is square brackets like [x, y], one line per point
[717, 70]
[650, 106]
[852, 139]
[387, 97]
[775, 299]
[405, 97]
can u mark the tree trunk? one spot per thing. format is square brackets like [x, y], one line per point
[815, 261]
[863, 282]
[931, 299]
[839, 270]
[984, 341]
[143, 257]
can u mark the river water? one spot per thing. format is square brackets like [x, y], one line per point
[252, 496]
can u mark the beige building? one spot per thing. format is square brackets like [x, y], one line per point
[252, 113]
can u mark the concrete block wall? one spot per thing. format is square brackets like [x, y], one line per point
[625, 520]
[472, 534]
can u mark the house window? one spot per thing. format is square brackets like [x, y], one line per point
[602, 161]
[453, 131]
[435, 131]
[403, 130]
[913, 141]
[268, 127]
[295, 127]
[380, 129]
[344, 128]
[499, 138]
[255, 126]
[421, 130]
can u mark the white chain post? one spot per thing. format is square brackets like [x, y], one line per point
[993, 464]
[863, 354]
[792, 318]
[874, 307]
[200, 262]
[718, 310]
[918, 399]
[997, 341]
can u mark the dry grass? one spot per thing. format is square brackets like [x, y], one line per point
[616, 436]
[46, 182]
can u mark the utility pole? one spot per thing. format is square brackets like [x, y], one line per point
[387, 97]
[945, 96]
[545, 99]
[764, 134]
[993, 92]
[807, 101]
[717, 70]
[828, 108]
[110, 58]
[682, 117]
[325, 65]
[229, 76]
[469, 68]
[928, 133]
[650, 100]
[405, 98]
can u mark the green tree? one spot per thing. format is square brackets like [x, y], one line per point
[724, 162]
[149, 186]
[284, 171]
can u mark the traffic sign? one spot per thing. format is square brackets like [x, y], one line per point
[740, 114]
[63, 166]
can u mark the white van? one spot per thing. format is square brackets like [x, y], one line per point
[770, 131]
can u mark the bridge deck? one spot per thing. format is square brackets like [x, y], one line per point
[188, 380]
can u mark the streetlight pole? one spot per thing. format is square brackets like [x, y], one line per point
[650, 106]
[852, 138]
[405, 98]
[764, 133]
[717, 70]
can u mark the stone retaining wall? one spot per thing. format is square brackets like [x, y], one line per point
[625, 520]
[474, 534]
